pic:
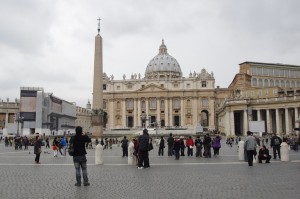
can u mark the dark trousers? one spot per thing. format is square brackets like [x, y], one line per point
[170, 150]
[216, 151]
[125, 151]
[207, 151]
[143, 159]
[260, 158]
[80, 162]
[161, 151]
[276, 149]
[190, 151]
[250, 154]
[182, 151]
[198, 151]
[37, 157]
[176, 154]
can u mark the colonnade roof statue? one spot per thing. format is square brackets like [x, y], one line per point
[163, 65]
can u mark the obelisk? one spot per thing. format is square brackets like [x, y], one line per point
[97, 123]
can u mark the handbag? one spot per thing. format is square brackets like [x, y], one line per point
[150, 146]
[71, 148]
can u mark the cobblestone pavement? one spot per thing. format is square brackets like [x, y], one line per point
[190, 177]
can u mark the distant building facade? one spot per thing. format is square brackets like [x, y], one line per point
[261, 92]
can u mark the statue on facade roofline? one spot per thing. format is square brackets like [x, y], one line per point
[124, 77]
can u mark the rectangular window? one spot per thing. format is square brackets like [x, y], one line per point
[129, 86]
[130, 104]
[259, 71]
[203, 84]
[253, 70]
[118, 87]
[176, 103]
[152, 103]
[188, 85]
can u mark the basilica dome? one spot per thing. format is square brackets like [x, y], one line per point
[163, 65]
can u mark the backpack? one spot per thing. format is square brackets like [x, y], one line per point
[71, 148]
[276, 141]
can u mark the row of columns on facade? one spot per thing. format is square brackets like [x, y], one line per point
[247, 117]
[138, 111]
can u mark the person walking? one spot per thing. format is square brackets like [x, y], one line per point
[161, 146]
[47, 143]
[216, 145]
[275, 144]
[55, 144]
[79, 156]
[37, 149]
[144, 150]
[124, 145]
[63, 144]
[250, 147]
[170, 142]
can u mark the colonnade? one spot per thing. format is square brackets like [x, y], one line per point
[277, 120]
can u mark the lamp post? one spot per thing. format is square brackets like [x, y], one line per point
[19, 120]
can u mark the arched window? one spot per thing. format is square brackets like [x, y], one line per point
[298, 83]
[271, 82]
[266, 83]
[282, 83]
[254, 82]
[130, 104]
[277, 83]
[293, 84]
[288, 85]
[260, 83]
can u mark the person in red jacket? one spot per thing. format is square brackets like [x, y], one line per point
[189, 144]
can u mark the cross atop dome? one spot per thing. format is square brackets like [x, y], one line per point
[163, 48]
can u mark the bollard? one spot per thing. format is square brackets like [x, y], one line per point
[131, 157]
[99, 154]
[284, 151]
[241, 150]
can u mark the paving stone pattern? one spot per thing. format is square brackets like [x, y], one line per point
[190, 177]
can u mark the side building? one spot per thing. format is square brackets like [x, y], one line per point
[261, 92]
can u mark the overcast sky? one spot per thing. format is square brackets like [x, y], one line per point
[50, 44]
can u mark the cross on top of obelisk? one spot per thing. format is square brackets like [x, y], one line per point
[99, 25]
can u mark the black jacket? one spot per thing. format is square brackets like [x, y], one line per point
[79, 144]
[144, 142]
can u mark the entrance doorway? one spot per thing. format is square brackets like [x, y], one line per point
[130, 121]
[176, 121]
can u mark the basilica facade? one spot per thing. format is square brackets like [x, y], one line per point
[162, 97]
